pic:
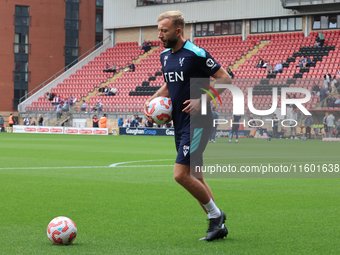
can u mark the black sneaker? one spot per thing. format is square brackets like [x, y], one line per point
[217, 229]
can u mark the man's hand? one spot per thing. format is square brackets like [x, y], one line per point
[146, 107]
[194, 105]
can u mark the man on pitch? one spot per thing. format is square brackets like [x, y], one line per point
[181, 61]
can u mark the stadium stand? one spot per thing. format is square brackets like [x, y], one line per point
[91, 76]
[134, 87]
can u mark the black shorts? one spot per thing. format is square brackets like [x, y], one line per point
[235, 128]
[190, 145]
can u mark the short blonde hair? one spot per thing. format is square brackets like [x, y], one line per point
[175, 16]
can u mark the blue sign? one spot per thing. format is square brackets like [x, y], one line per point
[146, 131]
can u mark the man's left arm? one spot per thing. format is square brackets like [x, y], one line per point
[221, 77]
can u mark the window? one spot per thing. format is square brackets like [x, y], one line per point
[99, 3]
[238, 27]
[276, 25]
[218, 28]
[268, 25]
[291, 24]
[284, 24]
[253, 26]
[260, 26]
[198, 30]
[317, 22]
[326, 22]
[332, 21]
[224, 28]
[211, 29]
[231, 28]
[17, 65]
[298, 23]
[204, 29]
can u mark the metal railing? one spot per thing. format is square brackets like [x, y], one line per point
[58, 77]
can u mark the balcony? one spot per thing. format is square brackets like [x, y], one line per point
[21, 76]
[21, 48]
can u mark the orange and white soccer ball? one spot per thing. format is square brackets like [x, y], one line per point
[61, 230]
[160, 109]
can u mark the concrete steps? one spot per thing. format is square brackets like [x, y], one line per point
[249, 54]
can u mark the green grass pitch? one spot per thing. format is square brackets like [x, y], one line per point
[137, 207]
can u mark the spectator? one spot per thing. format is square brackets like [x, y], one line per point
[65, 107]
[327, 78]
[127, 122]
[293, 116]
[104, 91]
[278, 68]
[337, 128]
[320, 39]
[334, 82]
[55, 100]
[103, 121]
[113, 69]
[95, 121]
[337, 102]
[146, 46]
[120, 121]
[101, 90]
[111, 92]
[132, 67]
[308, 125]
[330, 124]
[33, 123]
[10, 120]
[49, 96]
[41, 120]
[2, 122]
[316, 90]
[330, 100]
[323, 95]
[148, 124]
[27, 121]
[230, 73]
[305, 62]
[98, 107]
[269, 68]
[70, 100]
[260, 64]
[83, 106]
[325, 126]
[58, 111]
[275, 126]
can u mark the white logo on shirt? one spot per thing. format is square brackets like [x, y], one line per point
[210, 63]
[185, 150]
[181, 61]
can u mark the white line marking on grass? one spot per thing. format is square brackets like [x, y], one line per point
[52, 167]
[140, 161]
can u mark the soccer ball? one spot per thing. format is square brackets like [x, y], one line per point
[160, 109]
[61, 230]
